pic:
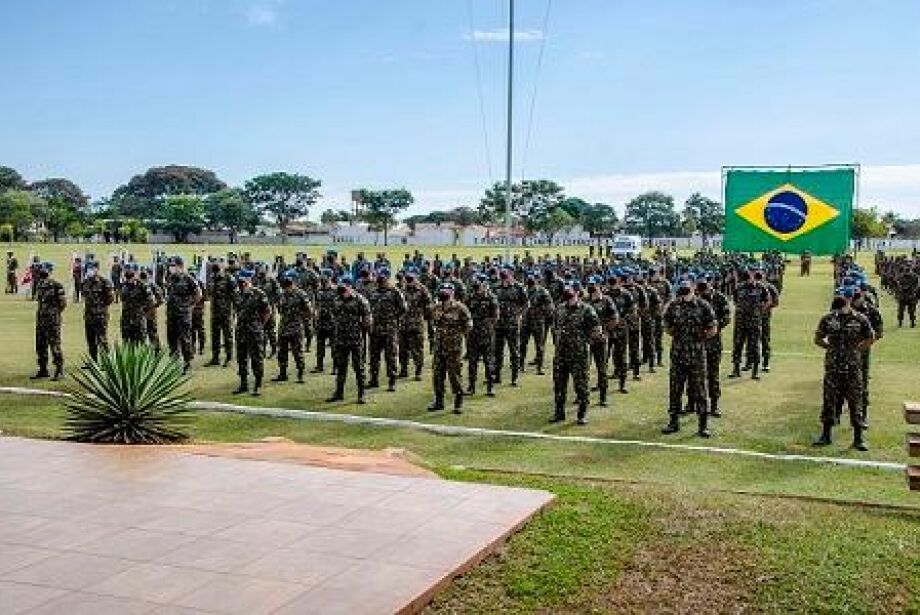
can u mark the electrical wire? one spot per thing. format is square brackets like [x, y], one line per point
[536, 83]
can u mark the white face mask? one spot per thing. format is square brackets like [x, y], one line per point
[92, 273]
[173, 269]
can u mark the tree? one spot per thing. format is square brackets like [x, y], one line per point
[66, 203]
[530, 198]
[492, 205]
[381, 207]
[182, 214]
[599, 218]
[652, 214]
[866, 224]
[230, 209]
[703, 215]
[554, 221]
[285, 196]
[10, 179]
[332, 216]
[140, 196]
[20, 209]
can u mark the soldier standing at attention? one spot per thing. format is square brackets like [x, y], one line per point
[76, 273]
[222, 291]
[52, 299]
[182, 293]
[617, 337]
[576, 326]
[252, 310]
[388, 305]
[296, 309]
[863, 305]
[843, 333]
[12, 274]
[660, 284]
[766, 330]
[512, 301]
[805, 264]
[269, 285]
[136, 299]
[325, 318]
[539, 311]
[706, 290]
[906, 293]
[198, 336]
[452, 322]
[480, 343]
[353, 321]
[412, 325]
[751, 300]
[98, 294]
[648, 311]
[633, 323]
[152, 327]
[606, 311]
[116, 275]
[690, 321]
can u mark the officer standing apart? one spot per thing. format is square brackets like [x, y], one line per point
[353, 321]
[576, 326]
[52, 299]
[451, 322]
[252, 311]
[98, 295]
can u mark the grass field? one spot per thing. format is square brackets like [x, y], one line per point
[636, 529]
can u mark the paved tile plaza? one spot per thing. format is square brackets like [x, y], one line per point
[89, 529]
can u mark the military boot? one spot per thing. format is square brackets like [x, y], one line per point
[418, 373]
[256, 386]
[227, 359]
[736, 371]
[458, 403]
[825, 438]
[489, 391]
[58, 373]
[471, 386]
[437, 404]
[391, 385]
[374, 382]
[714, 408]
[623, 388]
[636, 375]
[339, 395]
[214, 362]
[243, 388]
[603, 398]
[41, 373]
[766, 365]
[540, 371]
[582, 417]
[300, 375]
[318, 369]
[282, 375]
[559, 415]
[702, 429]
[755, 372]
[858, 442]
[404, 371]
[673, 425]
[361, 398]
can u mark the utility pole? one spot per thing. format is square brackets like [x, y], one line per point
[510, 135]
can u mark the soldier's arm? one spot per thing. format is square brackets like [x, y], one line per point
[820, 336]
[62, 298]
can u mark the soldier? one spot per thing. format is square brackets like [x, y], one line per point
[512, 301]
[706, 290]
[689, 321]
[252, 311]
[116, 274]
[863, 305]
[617, 338]
[136, 300]
[296, 309]
[182, 294]
[269, 285]
[198, 336]
[805, 264]
[906, 292]
[539, 312]
[751, 300]
[52, 299]
[12, 274]
[663, 287]
[412, 325]
[634, 323]
[99, 294]
[480, 343]
[649, 311]
[222, 292]
[76, 274]
[609, 318]
[452, 322]
[151, 325]
[576, 327]
[325, 318]
[843, 333]
[766, 331]
[353, 321]
[388, 305]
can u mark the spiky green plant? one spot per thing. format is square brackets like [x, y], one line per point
[130, 395]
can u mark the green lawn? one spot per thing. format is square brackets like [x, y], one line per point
[635, 529]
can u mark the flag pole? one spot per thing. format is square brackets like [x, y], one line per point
[510, 133]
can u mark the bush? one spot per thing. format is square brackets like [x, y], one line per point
[129, 396]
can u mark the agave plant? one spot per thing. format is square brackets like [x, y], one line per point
[130, 395]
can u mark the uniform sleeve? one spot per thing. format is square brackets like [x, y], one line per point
[709, 315]
[821, 330]
[401, 307]
[467, 318]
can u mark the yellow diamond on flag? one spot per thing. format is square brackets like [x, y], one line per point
[787, 212]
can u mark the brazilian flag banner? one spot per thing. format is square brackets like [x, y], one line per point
[793, 209]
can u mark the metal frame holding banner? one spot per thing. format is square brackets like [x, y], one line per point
[792, 209]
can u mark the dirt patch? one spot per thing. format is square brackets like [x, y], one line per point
[393, 461]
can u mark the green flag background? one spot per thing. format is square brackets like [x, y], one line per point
[836, 186]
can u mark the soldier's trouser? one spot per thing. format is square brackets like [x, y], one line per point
[179, 336]
[341, 353]
[575, 367]
[910, 305]
[713, 362]
[96, 331]
[634, 340]
[308, 336]
[271, 331]
[12, 284]
[383, 343]
[293, 343]
[537, 331]
[323, 338]
[134, 332]
[599, 356]
[864, 364]
[617, 345]
[221, 333]
[411, 344]
[153, 331]
[48, 338]
[648, 341]
[688, 369]
[77, 290]
[250, 354]
[198, 338]
[746, 337]
[843, 384]
[509, 336]
[480, 344]
[658, 322]
[447, 364]
[765, 334]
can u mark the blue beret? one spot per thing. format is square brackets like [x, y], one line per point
[244, 274]
[383, 272]
[346, 280]
[594, 279]
[47, 266]
[845, 291]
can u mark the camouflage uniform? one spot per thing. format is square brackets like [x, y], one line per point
[136, 299]
[295, 309]
[52, 299]
[722, 311]
[751, 298]
[649, 312]
[272, 290]
[609, 318]
[222, 291]
[906, 292]
[874, 316]
[663, 287]
[153, 331]
[539, 311]
[12, 273]
[480, 343]
[352, 322]
[412, 329]
[325, 323]
[766, 329]
[181, 296]
[98, 294]
[512, 301]
[198, 336]
[688, 322]
[617, 338]
[252, 309]
[387, 307]
[452, 322]
[634, 328]
[576, 326]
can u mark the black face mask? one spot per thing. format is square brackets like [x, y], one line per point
[43, 275]
[443, 296]
[683, 291]
[592, 288]
[340, 290]
[568, 295]
[838, 303]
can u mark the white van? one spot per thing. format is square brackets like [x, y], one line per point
[627, 245]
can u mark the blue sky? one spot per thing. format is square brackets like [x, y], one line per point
[631, 95]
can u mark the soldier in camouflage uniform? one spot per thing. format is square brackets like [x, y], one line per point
[12, 274]
[388, 305]
[539, 312]
[751, 300]
[198, 336]
[222, 292]
[52, 299]
[863, 305]
[609, 318]
[326, 299]
[843, 333]
[252, 310]
[269, 285]
[648, 312]
[706, 289]
[617, 338]
[353, 321]
[182, 293]
[98, 294]
[766, 329]
[576, 327]
[151, 325]
[512, 302]
[452, 322]
[907, 289]
[663, 287]
[412, 325]
[480, 343]
[296, 309]
[634, 324]
[690, 321]
[136, 300]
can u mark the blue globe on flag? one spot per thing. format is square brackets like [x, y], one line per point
[786, 212]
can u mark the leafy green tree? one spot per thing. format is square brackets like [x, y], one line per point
[182, 214]
[702, 214]
[230, 209]
[492, 205]
[140, 196]
[532, 198]
[652, 214]
[21, 209]
[867, 224]
[555, 221]
[599, 219]
[10, 179]
[332, 216]
[284, 196]
[66, 203]
[382, 207]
